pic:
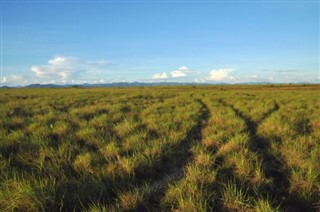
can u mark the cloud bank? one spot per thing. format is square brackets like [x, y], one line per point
[14, 79]
[63, 69]
[160, 76]
[73, 70]
[222, 75]
[185, 74]
[180, 72]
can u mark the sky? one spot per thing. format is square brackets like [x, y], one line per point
[73, 42]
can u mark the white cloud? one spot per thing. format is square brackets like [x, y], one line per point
[160, 76]
[64, 69]
[180, 72]
[4, 79]
[222, 74]
[14, 80]
[59, 60]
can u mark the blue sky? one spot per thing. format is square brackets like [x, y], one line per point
[96, 42]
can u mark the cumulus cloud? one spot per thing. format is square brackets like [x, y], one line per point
[180, 72]
[4, 79]
[14, 80]
[222, 74]
[160, 76]
[63, 69]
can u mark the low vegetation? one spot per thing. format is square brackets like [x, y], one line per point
[192, 148]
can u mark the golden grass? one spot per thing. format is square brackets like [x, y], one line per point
[202, 148]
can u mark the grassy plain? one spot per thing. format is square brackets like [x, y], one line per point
[182, 148]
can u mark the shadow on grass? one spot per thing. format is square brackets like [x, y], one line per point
[168, 169]
[173, 163]
[273, 164]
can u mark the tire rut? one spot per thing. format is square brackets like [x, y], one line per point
[273, 165]
[176, 173]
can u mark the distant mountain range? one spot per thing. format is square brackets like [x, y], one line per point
[113, 84]
[135, 84]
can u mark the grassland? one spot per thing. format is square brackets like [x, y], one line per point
[209, 148]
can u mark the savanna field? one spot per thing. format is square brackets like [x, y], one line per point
[178, 148]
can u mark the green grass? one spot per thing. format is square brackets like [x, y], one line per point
[187, 148]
